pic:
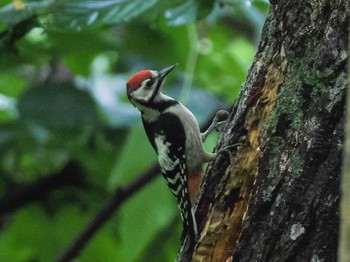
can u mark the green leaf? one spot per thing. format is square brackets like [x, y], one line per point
[30, 237]
[79, 49]
[76, 15]
[205, 7]
[99, 156]
[56, 106]
[80, 14]
[144, 217]
[182, 14]
[104, 247]
[165, 46]
[224, 65]
[11, 85]
[189, 11]
[164, 244]
[132, 162]
[10, 16]
[262, 5]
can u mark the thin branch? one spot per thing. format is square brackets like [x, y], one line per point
[121, 194]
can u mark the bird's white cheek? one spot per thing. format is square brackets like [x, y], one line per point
[143, 94]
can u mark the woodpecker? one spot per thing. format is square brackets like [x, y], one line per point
[174, 134]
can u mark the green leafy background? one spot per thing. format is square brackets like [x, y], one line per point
[63, 68]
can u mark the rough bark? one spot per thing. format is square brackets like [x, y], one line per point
[278, 198]
[344, 239]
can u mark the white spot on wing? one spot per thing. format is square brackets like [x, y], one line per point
[174, 180]
[165, 162]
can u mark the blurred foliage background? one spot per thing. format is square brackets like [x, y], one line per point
[69, 137]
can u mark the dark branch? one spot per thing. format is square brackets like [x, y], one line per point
[12, 34]
[120, 195]
[21, 195]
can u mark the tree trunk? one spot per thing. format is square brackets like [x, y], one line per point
[344, 245]
[277, 199]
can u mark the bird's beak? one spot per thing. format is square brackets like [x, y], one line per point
[163, 73]
[161, 76]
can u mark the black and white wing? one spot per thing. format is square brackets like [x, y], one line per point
[167, 136]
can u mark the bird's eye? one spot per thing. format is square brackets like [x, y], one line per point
[149, 83]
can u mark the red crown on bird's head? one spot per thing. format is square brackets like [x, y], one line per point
[135, 80]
